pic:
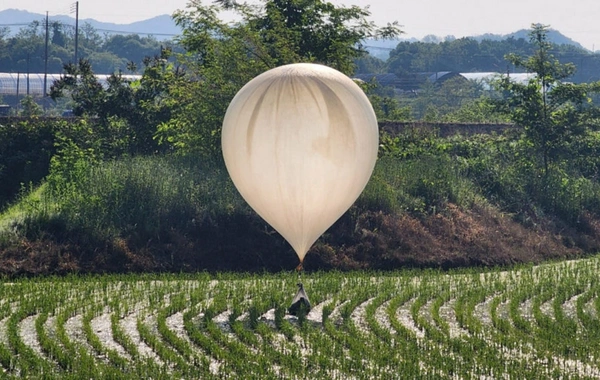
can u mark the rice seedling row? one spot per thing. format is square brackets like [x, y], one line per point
[521, 323]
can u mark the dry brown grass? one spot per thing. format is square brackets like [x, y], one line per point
[454, 237]
[481, 236]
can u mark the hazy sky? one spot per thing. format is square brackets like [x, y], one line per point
[577, 19]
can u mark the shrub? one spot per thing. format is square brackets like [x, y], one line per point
[417, 185]
[26, 147]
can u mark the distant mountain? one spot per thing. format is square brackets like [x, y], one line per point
[162, 27]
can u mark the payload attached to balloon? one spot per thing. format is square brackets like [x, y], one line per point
[300, 143]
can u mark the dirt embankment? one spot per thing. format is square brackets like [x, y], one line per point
[481, 236]
[453, 238]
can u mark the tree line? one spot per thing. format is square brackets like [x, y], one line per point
[470, 55]
[108, 53]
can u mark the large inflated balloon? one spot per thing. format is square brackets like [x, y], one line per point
[300, 142]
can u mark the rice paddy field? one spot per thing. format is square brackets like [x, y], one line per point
[523, 323]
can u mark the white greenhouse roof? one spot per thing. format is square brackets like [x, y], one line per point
[33, 83]
[484, 77]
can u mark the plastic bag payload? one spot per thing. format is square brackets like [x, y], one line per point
[300, 302]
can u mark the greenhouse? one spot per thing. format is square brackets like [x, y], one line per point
[22, 84]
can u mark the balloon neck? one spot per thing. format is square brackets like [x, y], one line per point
[300, 267]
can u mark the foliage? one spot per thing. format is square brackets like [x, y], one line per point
[417, 186]
[29, 107]
[552, 113]
[117, 210]
[140, 196]
[25, 151]
[368, 64]
[479, 110]
[222, 57]
[455, 98]
[25, 51]
[469, 55]
[384, 102]
[496, 168]
[128, 112]
[389, 108]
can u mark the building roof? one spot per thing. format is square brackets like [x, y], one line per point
[516, 77]
[388, 79]
[441, 76]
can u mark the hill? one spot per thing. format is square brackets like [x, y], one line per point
[381, 48]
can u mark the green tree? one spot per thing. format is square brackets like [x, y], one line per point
[126, 114]
[553, 113]
[89, 39]
[29, 107]
[221, 57]
[487, 55]
[388, 108]
[4, 54]
[369, 64]
[457, 91]
[58, 37]
[27, 49]
[104, 62]
[131, 47]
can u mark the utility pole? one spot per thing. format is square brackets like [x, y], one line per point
[75, 8]
[18, 77]
[27, 74]
[46, 58]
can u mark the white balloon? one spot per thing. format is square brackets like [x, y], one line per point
[300, 143]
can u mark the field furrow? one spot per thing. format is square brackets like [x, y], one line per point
[29, 336]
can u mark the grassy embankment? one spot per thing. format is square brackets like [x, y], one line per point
[432, 202]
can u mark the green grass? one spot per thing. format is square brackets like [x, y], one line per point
[525, 322]
[157, 212]
[143, 196]
[148, 195]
